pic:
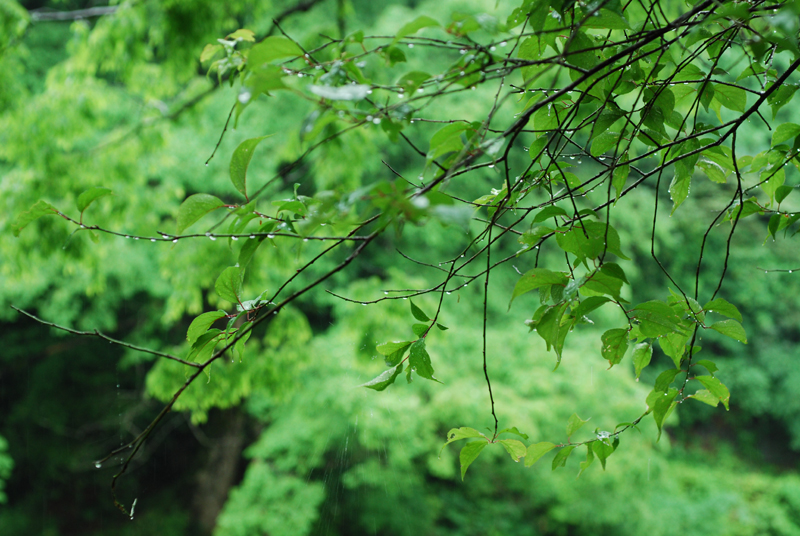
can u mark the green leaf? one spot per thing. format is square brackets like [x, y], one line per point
[679, 191]
[732, 98]
[548, 212]
[665, 379]
[724, 308]
[732, 329]
[716, 388]
[39, 209]
[603, 450]
[420, 361]
[512, 430]
[656, 318]
[574, 424]
[229, 284]
[393, 351]
[414, 26]
[606, 19]
[536, 278]
[536, 451]
[385, 379]
[239, 162]
[469, 453]
[243, 35]
[270, 49]
[604, 142]
[620, 175]
[589, 304]
[464, 432]
[642, 354]
[194, 208]
[203, 347]
[662, 407]
[710, 366]
[560, 459]
[420, 329]
[705, 396]
[349, 92]
[785, 132]
[515, 448]
[615, 344]
[88, 197]
[589, 239]
[417, 312]
[589, 459]
[209, 51]
[201, 324]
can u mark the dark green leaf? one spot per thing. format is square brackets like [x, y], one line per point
[417, 312]
[620, 174]
[239, 162]
[194, 208]
[589, 304]
[536, 451]
[656, 318]
[469, 453]
[385, 379]
[201, 324]
[420, 361]
[560, 459]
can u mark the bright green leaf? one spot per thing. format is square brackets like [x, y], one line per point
[239, 162]
[716, 388]
[724, 308]
[642, 354]
[469, 453]
[270, 49]
[229, 284]
[785, 132]
[515, 448]
[201, 324]
[195, 207]
[536, 451]
[730, 328]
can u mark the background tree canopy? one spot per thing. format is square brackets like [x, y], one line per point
[265, 261]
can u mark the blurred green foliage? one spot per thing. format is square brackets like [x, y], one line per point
[122, 102]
